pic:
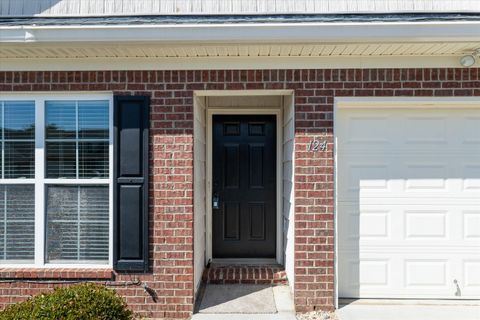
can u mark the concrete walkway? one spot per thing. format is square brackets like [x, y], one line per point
[246, 302]
[410, 310]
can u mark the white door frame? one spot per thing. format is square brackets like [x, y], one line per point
[278, 112]
[383, 102]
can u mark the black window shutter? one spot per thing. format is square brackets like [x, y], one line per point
[131, 123]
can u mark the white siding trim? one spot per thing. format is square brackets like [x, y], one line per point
[288, 192]
[199, 191]
[279, 141]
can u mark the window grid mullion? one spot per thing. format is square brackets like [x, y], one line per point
[3, 140]
[18, 140]
[40, 168]
[70, 140]
[76, 140]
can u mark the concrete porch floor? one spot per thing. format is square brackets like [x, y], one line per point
[245, 302]
[370, 309]
[267, 302]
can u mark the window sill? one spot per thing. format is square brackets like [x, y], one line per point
[56, 273]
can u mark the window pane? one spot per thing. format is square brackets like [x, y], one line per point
[61, 159]
[93, 119]
[93, 160]
[18, 135]
[61, 119]
[19, 160]
[77, 223]
[86, 123]
[17, 222]
[19, 120]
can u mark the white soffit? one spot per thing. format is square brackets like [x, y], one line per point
[75, 50]
[237, 46]
[17, 57]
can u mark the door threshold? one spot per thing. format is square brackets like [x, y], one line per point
[245, 273]
[243, 261]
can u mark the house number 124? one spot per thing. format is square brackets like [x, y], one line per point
[317, 145]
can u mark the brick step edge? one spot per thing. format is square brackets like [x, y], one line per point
[274, 275]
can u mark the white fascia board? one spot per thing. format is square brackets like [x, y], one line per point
[252, 33]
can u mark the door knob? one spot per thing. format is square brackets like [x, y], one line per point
[215, 201]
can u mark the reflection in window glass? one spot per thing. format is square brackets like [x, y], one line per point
[77, 139]
[93, 160]
[17, 139]
[61, 118]
[61, 159]
[93, 119]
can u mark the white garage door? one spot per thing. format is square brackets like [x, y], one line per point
[408, 202]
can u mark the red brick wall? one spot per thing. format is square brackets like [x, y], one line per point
[171, 189]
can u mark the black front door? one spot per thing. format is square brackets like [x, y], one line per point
[244, 186]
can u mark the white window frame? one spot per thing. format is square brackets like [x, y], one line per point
[41, 182]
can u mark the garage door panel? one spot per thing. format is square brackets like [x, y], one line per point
[375, 224]
[470, 134]
[424, 130]
[363, 129]
[471, 225]
[366, 274]
[394, 193]
[471, 283]
[407, 175]
[408, 202]
[421, 272]
[361, 176]
[437, 220]
[362, 224]
[374, 272]
[471, 174]
[407, 129]
[409, 275]
[426, 175]
[409, 226]
[416, 199]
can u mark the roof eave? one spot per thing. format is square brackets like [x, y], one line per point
[251, 33]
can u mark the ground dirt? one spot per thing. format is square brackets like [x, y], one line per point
[317, 315]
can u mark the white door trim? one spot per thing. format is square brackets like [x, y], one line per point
[279, 122]
[384, 102]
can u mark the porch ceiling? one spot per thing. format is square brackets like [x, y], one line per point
[98, 50]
